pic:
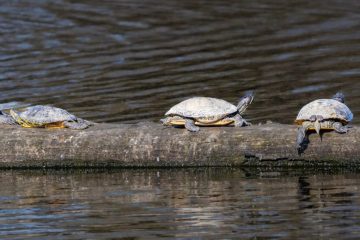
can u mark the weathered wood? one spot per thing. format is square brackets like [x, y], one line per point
[153, 145]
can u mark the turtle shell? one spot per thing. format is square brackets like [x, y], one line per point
[328, 108]
[202, 108]
[46, 114]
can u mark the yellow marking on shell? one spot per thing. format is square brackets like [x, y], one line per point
[26, 124]
[221, 122]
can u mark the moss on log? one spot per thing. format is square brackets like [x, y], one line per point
[153, 145]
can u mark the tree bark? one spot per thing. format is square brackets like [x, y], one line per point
[153, 145]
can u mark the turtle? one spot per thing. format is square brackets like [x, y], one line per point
[207, 111]
[43, 116]
[322, 114]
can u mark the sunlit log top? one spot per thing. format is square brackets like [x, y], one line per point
[153, 145]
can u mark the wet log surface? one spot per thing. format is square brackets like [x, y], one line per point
[153, 145]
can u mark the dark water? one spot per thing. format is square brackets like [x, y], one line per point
[182, 204]
[129, 61]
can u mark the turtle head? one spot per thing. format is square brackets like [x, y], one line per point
[245, 101]
[339, 96]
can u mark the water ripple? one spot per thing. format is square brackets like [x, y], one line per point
[129, 61]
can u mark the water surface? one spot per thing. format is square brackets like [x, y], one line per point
[207, 203]
[129, 61]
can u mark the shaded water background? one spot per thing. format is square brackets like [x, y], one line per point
[129, 61]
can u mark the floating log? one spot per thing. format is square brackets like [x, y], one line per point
[150, 144]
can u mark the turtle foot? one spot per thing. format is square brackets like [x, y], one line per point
[190, 126]
[302, 146]
[240, 122]
[302, 140]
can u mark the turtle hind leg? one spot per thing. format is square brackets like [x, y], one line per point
[190, 125]
[240, 122]
[79, 124]
[339, 128]
[302, 140]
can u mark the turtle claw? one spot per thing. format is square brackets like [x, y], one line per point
[246, 123]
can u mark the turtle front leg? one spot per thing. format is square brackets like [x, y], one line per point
[240, 122]
[339, 128]
[79, 124]
[301, 139]
[190, 125]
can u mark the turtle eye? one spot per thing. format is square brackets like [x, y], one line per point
[248, 98]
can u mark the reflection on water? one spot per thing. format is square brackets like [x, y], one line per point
[128, 61]
[205, 203]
